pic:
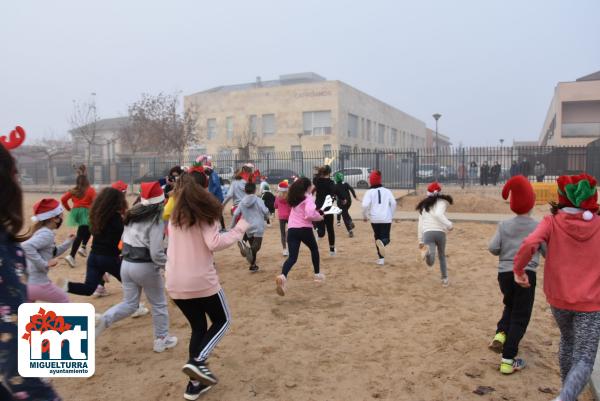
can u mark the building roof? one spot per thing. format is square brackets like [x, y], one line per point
[287, 79]
[517, 144]
[595, 76]
[108, 124]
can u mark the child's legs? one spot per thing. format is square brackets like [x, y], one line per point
[429, 241]
[309, 240]
[217, 310]
[440, 240]
[93, 276]
[282, 232]
[587, 333]
[378, 234]
[83, 232]
[85, 235]
[328, 219]
[131, 294]
[384, 233]
[154, 287]
[193, 310]
[255, 244]
[294, 240]
[46, 293]
[347, 219]
[521, 314]
[507, 287]
[320, 226]
[564, 320]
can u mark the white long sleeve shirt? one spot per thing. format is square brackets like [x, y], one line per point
[378, 205]
[434, 220]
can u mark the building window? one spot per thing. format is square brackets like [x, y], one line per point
[266, 151]
[229, 127]
[97, 150]
[394, 137]
[296, 152]
[352, 126]
[317, 122]
[368, 129]
[252, 124]
[327, 150]
[268, 124]
[381, 134]
[211, 128]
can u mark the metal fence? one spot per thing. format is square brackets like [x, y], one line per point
[402, 169]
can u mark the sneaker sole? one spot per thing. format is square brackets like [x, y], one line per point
[194, 373]
[193, 397]
[249, 257]
[380, 247]
[242, 249]
[280, 290]
[496, 346]
[173, 345]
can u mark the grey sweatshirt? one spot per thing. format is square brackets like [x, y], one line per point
[508, 239]
[39, 249]
[143, 242]
[254, 211]
[236, 192]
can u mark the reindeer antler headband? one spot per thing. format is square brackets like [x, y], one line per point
[15, 138]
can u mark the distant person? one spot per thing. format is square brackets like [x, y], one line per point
[525, 167]
[539, 170]
[514, 168]
[82, 196]
[268, 198]
[473, 172]
[168, 183]
[343, 193]
[495, 173]
[484, 174]
[283, 213]
[324, 187]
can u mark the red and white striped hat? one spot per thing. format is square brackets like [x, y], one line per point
[283, 186]
[151, 193]
[46, 209]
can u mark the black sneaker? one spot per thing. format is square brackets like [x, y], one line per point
[194, 392]
[199, 371]
[351, 234]
[253, 269]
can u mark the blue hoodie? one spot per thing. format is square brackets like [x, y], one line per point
[214, 185]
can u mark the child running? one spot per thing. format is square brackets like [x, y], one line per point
[378, 206]
[82, 196]
[13, 291]
[41, 252]
[268, 198]
[300, 230]
[518, 301]
[254, 211]
[342, 193]
[571, 277]
[143, 259]
[283, 213]
[324, 187]
[107, 227]
[191, 279]
[433, 226]
[237, 187]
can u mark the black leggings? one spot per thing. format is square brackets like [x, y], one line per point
[295, 237]
[381, 231]
[283, 233]
[204, 339]
[83, 236]
[255, 244]
[97, 265]
[326, 225]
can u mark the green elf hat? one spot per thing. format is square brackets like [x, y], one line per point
[578, 191]
[338, 177]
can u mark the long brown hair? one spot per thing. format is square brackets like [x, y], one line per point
[297, 191]
[194, 204]
[81, 185]
[11, 201]
[108, 202]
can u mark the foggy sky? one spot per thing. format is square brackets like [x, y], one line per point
[489, 67]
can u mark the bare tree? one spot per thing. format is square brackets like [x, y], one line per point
[248, 141]
[84, 124]
[51, 147]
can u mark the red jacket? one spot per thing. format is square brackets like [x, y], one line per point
[86, 201]
[572, 268]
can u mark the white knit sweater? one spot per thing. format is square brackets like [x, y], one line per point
[434, 220]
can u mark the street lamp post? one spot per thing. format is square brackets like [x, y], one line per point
[437, 116]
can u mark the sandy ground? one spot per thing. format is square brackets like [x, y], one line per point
[368, 332]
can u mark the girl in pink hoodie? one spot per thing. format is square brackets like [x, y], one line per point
[300, 230]
[283, 213]
[191, 277]
[571, 278]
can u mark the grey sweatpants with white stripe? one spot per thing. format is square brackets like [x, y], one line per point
[579, 335]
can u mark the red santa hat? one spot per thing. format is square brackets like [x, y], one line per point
[522, 197]
[283, 186]
[151, 193]
[375, 178]
[434, 188]
[208, 165]
[578, 191]
[120, 186]
[46, 209]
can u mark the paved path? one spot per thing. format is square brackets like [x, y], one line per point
[491, 218]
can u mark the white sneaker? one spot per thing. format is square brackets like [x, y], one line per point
[286, 253]
[319, 277]
[63, 284]
[380, 262]
[280, 282]
[82, 251]
[380, 247]
[70, 260]
[141, 311]
[161, 344]
[445, 282]
[101, 291]
[100, 324]
[332, 253]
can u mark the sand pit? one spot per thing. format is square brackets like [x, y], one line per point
[390, 333]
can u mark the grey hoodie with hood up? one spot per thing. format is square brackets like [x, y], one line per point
[254, 211]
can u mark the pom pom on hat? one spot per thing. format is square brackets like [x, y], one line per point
[151, 193]
[120, 186]
[45, 209]
[375, 178]
[338, 177]
[434, 188]
[587, 215]
[522, 197]
[283, 186]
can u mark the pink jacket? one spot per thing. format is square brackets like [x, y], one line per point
[572, 270]
[190, 269]
[304, 214]
[283, 208]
